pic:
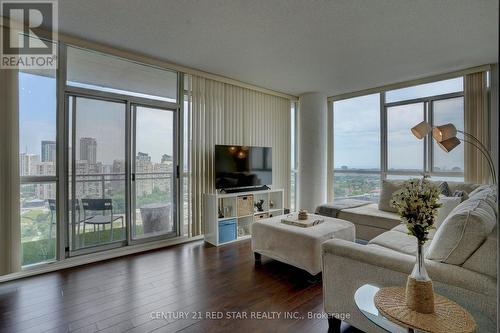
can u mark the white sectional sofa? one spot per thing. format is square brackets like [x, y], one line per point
[370, 221]
[461, 259]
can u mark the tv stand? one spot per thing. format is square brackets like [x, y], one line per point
[229, 216]
[245, 189]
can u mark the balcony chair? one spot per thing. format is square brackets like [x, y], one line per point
[99, 205]
[53, 214]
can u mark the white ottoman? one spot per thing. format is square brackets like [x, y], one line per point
[297, 246]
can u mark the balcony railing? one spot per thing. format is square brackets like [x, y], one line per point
[38, 219]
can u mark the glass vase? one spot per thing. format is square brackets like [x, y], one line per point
[419, 272]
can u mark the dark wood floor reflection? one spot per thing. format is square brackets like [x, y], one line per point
[149, 291]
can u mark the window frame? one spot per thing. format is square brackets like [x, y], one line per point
[428, 147]
[379, 172]
[46, 180]
[61, 180]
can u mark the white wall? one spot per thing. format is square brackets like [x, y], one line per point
[312, 151]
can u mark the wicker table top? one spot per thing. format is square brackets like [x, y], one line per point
[364, 299]
[448, 316]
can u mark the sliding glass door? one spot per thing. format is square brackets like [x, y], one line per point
[97, 172]
[122, 171]
[154, 173]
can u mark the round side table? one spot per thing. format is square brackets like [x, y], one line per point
[364, 298]
[364, 301]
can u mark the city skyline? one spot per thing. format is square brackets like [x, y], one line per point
[48, 156]
[104, 121]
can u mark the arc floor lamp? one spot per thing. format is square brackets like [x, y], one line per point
[446, 138]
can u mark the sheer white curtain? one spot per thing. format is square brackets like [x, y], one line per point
[10, 229]
[221, 113]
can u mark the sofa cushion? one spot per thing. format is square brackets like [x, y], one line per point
[388, 189]
[462, 232]
[370, 215]
[484, 260]
[459, 186]
[403, 229]
[487, 193]
[479, 189]
[447, 205]
[397, 241]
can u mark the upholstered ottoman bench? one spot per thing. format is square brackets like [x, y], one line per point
[297, 246]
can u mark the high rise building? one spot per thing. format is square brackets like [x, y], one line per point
[166, 158]
[88, 150]
[48, 151]
[143, 157]
[118, 166]
[27, 164]
[143, 165]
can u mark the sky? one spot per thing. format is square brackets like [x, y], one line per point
[357, 128]
[356, 125]
[102, 120]
[37, 116]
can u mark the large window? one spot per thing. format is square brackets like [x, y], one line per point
[116, 121]
[356, 142]
[373, 141]
[446, 111]
[122, 151]
[404, 152]
[37, 165]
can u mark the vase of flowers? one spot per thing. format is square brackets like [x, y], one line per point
[417, 203]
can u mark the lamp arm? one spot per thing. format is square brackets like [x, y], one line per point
[465, 134]
[487, 155]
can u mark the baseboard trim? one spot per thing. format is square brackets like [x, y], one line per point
[95, 257]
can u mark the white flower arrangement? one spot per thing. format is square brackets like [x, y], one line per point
[417, 204]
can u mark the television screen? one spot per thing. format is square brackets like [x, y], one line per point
[242, 166]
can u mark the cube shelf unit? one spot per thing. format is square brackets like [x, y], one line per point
[238, 214]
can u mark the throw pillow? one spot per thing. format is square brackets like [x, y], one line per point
[447, 205]
[460, 194]
[462, 232]
[444, 188]
[479, 189]
[388, 188]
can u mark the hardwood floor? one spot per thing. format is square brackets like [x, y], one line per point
[124, 294]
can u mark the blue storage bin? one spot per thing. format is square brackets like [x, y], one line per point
[227, 230]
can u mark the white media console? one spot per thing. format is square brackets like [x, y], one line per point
[229, 217]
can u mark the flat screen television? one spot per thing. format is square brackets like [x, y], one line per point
[242, 166]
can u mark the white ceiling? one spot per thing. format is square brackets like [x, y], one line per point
[297, 46]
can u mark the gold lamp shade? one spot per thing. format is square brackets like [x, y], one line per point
[421, 130]
[449, 144]
[444, 132]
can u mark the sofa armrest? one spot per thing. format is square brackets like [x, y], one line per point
[347, 266]
[399, 262]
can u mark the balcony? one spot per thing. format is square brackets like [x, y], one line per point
[38, 217]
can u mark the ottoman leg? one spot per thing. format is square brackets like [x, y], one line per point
[257, 256]
[334, 325]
